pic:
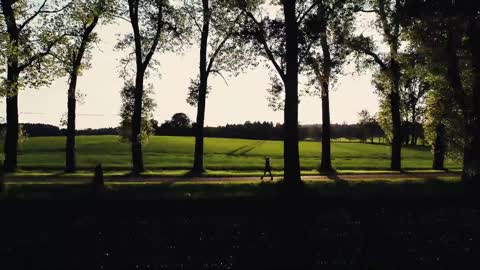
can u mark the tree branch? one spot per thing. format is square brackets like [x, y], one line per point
[39, 55]
[304, 55]
[222, 43]
[156, 39]
[40, 11]
[193, 18]
[121, 18]
[267, 49]
[218, 72]
[366, 10]
[302, 17]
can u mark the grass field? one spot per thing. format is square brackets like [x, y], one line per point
[221, 154]
[441, 187]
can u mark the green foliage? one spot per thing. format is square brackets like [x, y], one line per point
[126, 112]
[79, 20]
[37, 29]
[325, 59]
[226, 51]
[22, 136]
[150, 14]
[193, 91]
[441, 110]
[368, 123]
[385, 118]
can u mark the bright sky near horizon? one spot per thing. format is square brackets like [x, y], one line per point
[243, 99]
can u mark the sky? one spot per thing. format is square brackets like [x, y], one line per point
[243, 99]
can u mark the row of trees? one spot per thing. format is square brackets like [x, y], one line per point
[181, 125]
[422, 46]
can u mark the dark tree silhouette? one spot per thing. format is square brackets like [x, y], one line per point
[74, 55]
[278, 41]
[328, 27]
[155, 26]
[220, 50]
[180, 120]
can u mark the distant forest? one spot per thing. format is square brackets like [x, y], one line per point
[248, 130]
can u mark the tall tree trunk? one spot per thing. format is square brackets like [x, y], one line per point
[202, 92]
[291, 157]
[326, 163]
[13, 72]
[137, 156]
[70, 159]
[396, 118]
[70, 163]
[439, 147]
[471, 152]
[413, 139]
[471, 164]
[11, 137]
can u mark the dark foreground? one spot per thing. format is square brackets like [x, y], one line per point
[241, 234]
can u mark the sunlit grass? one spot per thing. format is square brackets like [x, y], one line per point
[168, 153]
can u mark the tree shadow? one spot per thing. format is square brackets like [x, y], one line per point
[194, 173]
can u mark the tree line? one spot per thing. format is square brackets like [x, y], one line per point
[248, 130]
[425, 57]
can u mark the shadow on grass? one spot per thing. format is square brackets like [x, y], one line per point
[338, 188]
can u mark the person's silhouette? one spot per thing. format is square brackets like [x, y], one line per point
[268, 169]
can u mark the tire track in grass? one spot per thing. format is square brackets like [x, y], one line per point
[244, 149]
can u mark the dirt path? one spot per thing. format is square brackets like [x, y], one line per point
[170, 179]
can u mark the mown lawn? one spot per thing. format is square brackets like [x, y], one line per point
[176, 153]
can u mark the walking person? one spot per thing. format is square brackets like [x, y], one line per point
[268, 169]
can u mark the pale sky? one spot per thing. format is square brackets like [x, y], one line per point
[244, 99]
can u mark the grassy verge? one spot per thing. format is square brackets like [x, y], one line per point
[442, 187]
[208, 173]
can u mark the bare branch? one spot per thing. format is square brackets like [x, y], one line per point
[121, 18]
[367, 10]
[218, 72]
[302, 17]
[41, 11]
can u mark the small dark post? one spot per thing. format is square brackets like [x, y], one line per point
[98, 181]
[2, 178]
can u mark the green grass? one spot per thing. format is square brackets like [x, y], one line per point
[222, 156]
[442, 187]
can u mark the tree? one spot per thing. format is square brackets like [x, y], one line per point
[180, 120]
[435, 127]
[30, 34]
[328, 27]
[368, 124]
[217, 22]
[74, 55]
[278, 41]
[389, 14]
[414, 87]
[448, 31]
[126, 112]
[156, 25]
